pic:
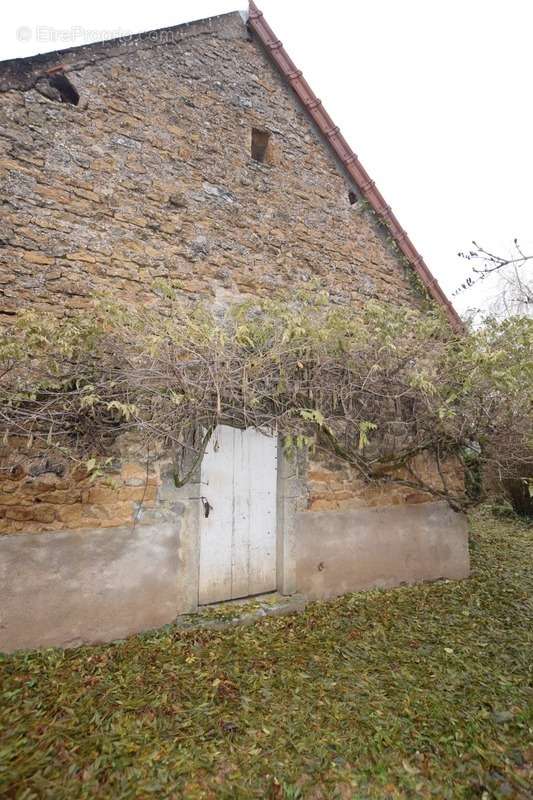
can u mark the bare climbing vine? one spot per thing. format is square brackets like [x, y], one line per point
[375, 388]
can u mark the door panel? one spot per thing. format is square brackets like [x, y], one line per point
[263, 453]
[216, 529]
[242, 503]
[238, 538]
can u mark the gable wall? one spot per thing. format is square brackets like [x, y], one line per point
[150, 177]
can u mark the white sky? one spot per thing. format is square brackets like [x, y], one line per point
[433, 95]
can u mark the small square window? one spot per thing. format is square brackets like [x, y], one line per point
[260, 145]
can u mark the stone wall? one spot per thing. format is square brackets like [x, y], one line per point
[43, 495]
[151, 177]
[335, 486]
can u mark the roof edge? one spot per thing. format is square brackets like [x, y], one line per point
[348, 159]
[165, 35]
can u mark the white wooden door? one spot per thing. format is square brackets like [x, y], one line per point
[238, 537]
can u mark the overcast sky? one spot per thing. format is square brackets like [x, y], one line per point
[435, 97]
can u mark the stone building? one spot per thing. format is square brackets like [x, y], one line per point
[196, 153]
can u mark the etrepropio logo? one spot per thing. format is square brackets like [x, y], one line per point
[76, 34]
[24, 34]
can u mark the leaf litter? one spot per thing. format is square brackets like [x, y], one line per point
[417, 692]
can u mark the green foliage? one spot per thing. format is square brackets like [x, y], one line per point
[419, 692]
[501, 508]
[365, 428]
[384, 383]
[418, 288]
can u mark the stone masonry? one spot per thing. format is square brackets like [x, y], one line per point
[151, 177]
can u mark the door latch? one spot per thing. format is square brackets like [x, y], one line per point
[207, 505]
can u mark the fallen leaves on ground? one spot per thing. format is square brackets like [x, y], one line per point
[418, 692]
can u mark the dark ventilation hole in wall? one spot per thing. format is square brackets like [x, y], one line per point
[352, 197]
[260, 140]
[68, 92]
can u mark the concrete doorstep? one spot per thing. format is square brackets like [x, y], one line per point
[245, 611]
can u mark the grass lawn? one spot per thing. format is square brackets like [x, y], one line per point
[411, 693]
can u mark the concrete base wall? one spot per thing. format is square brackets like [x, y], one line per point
[87, 586]
[71, 587]
[338, 552]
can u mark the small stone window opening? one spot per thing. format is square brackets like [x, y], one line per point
[68, 92]
[260, 145]
[352, 197]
